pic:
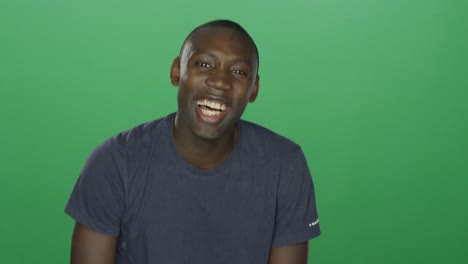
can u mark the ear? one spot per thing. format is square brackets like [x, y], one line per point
[175, 71]
[255, 88]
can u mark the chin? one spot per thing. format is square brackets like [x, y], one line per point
[207, 134]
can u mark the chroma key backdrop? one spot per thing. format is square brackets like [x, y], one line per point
[375, 92]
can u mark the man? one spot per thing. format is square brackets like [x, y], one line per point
[200, 185]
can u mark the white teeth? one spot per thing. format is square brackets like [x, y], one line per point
[209, 112]
[212, 104]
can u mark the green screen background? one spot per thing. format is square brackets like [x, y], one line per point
[374, 91]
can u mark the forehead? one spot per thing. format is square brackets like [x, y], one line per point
[220, 39]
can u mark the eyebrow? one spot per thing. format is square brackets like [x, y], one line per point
[213, 55]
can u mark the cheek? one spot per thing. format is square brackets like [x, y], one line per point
[242, 90]
[184, 96]
[192, 81]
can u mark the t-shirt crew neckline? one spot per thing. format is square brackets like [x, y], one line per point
[192, 170]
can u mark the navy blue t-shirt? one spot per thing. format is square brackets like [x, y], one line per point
[136, 186]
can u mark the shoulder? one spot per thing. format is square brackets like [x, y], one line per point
[134, 143]
[139, 135]
[265, 142]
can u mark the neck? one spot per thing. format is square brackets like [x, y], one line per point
[204, 153]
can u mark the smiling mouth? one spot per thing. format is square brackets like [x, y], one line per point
[211, 108]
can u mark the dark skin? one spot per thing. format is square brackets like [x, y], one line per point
[213, 65]
[91, 247]
[217, 64]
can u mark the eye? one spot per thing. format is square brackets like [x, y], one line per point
[203, 64]
[239, 72]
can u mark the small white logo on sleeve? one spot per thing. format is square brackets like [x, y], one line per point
[314, 223]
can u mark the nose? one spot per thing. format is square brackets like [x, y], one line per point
[219, 79]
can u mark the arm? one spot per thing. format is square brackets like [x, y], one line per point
[91, 247]
[296, 219]
[293, 254]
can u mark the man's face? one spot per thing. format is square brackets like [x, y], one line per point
[217, 77]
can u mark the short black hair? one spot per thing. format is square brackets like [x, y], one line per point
[224, 23]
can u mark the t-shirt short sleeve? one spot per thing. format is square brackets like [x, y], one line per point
[97, 197]
[296, 215]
